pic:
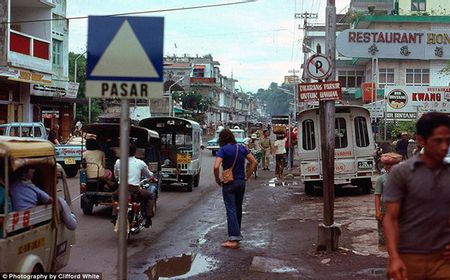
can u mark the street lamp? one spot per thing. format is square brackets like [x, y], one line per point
[170, 96]
[75, 80]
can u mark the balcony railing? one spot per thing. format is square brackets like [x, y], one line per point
[29, 45]
[203, 80]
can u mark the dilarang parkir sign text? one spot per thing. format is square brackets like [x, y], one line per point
[396, 44]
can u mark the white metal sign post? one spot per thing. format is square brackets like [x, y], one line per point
[125, 61]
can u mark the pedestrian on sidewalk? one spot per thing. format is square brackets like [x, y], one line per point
[388, 160]
[231, 155]
[266, 149]
[401, 147]
[280, 154]
[417, 198]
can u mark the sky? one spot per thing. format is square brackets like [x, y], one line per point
[256, 42]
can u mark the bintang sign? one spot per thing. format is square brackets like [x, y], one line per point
[397, 44]
[321, 91]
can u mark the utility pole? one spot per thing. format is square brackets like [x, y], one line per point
[306, 41]
[329, 232]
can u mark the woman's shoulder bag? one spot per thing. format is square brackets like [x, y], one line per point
[227, 175]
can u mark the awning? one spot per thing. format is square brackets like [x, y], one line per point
[47, 100]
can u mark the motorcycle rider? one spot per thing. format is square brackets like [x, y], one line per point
[136, 170]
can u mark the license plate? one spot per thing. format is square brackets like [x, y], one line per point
[69, 161]
[183, 158]
[365, 165]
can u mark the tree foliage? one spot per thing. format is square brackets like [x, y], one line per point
[193, 100]
[82, 113]
[276, 98]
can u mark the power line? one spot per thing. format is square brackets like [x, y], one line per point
[140, 12]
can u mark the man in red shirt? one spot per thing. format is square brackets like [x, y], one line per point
[290, 147]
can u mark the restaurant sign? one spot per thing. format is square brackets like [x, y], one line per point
[409, 102]
[397, 44]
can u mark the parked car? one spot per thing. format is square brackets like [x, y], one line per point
[68, 155]
[213, 144]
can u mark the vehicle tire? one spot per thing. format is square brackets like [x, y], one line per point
[71, 171]
[197, 180]
[365, 185]
[213, 152]
[309, 188]
[37, 269]
[86, 205]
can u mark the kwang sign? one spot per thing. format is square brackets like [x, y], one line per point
[406, 102]
[399, 44]
[319, 91]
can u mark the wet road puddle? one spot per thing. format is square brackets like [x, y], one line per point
[374, 272]
[181, 267]
[264, 264]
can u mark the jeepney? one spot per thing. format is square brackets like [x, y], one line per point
[180, 150]
[34, 240]
[354, 145]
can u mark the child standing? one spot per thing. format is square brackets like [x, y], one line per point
[388, 160]
[280, 154]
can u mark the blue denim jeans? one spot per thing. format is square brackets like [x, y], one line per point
[233, 196]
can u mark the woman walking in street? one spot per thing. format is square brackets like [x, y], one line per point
[266, 148]
[232, 158]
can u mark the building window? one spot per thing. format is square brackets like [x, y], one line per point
[351, 78]
[417, 77]
[386, 77]
[361, 132]
[308, 135]
[418, 5]
[340, 136]
[57, 52]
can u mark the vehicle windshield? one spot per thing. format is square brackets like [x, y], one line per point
[176, 139]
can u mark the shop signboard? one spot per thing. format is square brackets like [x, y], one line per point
[56, 89]
[396, 44]
[409, 102]
[26, 76]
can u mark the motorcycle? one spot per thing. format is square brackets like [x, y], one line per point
[377, 157]
[135, 211]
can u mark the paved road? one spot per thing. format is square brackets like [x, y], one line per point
[96, 246]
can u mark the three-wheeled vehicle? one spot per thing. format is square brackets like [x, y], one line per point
[180, 149]
[96, 191]
[34, 240]
[354, 145]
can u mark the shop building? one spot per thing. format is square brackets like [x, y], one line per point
[34, 69]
